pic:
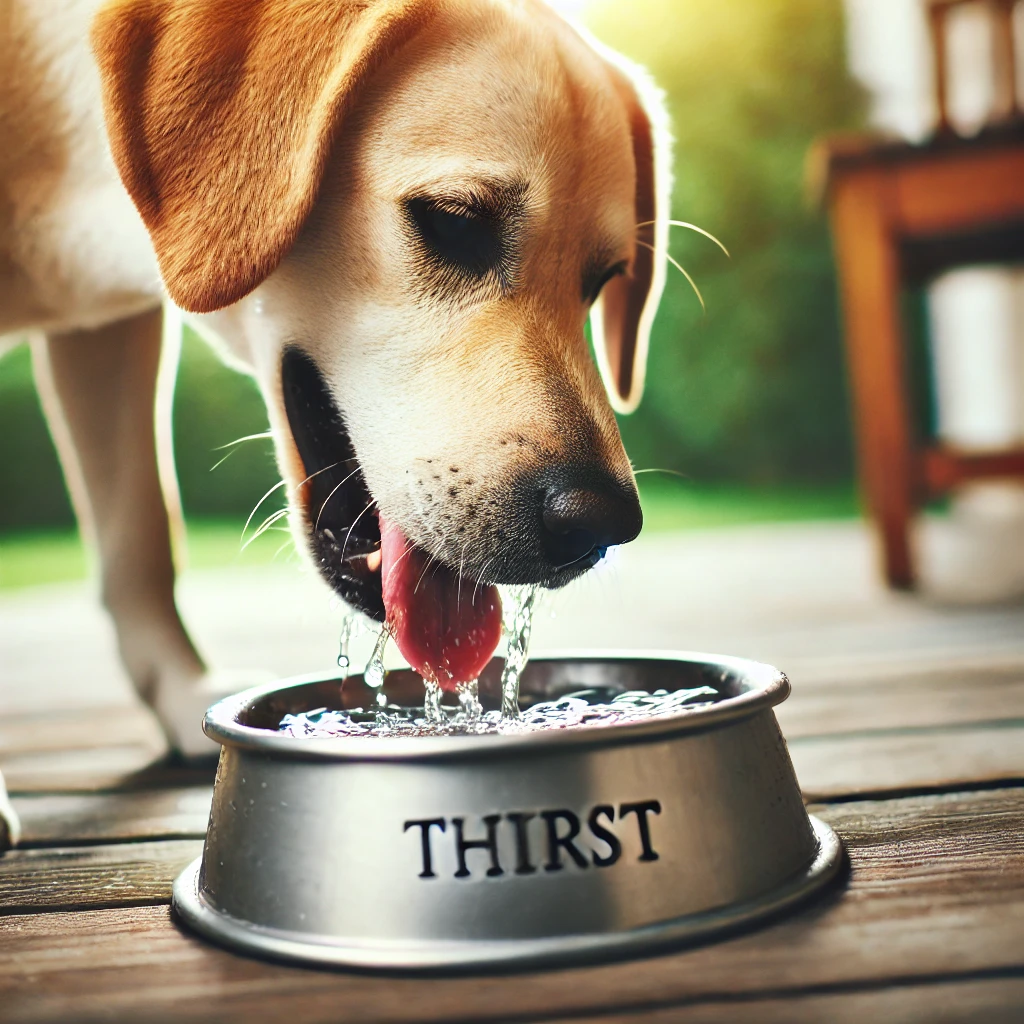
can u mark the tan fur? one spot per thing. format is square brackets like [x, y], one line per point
[268, 147]
[220, 116]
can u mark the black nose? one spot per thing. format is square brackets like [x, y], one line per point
[584, 517]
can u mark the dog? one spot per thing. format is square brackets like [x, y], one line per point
[398, 216]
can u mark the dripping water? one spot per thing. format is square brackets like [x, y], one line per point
[518, 624]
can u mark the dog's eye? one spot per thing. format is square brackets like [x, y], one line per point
[592, 287]
[467, 241]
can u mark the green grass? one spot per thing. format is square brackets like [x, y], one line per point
[54, 556]
[676, 504]
[57, 556]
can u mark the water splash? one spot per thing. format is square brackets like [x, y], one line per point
[348, 628]
[432, 710]
[519, 625]
[469, 701]
[374, 673]
[583, 708]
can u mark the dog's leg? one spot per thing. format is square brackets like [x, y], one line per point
[98, 389]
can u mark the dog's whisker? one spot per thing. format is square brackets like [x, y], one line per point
[232, 446]
[434, 560]
[223, 459]
[441, 545]
[409, 547]
[281, 483]
[575, 561]
[667, 472]
[480, 579]
[270, 520]
[332, 494]
[287, 543]
[276, 487]
[430, 561]
[344, 546]
[241, 440]
[682, 270]
[692, 227]
[266, 525]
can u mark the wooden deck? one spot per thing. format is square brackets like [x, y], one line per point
[906, 726]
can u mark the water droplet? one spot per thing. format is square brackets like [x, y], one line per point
[374, 673]
[347, 629]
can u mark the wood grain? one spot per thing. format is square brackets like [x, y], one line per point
[896, 761]
[936, 890]
[928, 699]
[119, 875]
[53, 819]
[994, 1001]
[114, 725]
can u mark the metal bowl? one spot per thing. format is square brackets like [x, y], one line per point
[446, 853]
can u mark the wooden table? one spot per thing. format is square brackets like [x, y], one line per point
[918, 763]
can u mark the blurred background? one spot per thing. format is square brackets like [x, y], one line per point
[746, 416]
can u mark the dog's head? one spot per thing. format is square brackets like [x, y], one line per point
[408, 210]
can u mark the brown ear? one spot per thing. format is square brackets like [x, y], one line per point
[621, 320]
[221, 114]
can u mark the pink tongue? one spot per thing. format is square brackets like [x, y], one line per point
[447, 632]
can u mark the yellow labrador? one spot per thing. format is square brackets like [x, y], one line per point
[398, 215]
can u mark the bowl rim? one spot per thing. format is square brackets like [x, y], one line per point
[768, 686]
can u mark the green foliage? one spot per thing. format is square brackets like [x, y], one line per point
[31, 483]
[755, 389]
[213, 406]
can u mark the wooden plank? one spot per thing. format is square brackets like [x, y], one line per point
[994, 1001]
[964, 190]
[905, 700]
[53, 819]
[936, 891]
[87, 770]
[944, 469]
[84, 749]
[121, 875]
[115, 725]
[899, 761]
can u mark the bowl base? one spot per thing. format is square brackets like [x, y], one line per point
[501, 955]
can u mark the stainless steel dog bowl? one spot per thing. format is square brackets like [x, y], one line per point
[444, 853]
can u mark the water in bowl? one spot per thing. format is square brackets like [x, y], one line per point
[587, 708]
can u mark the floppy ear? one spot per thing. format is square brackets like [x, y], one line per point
[621, 319]
[220, 115]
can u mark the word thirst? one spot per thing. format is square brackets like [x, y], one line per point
[564, 842]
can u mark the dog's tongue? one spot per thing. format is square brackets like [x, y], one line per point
[445, 630]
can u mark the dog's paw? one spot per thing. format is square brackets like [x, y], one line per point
[181, 704]
[10, 827]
